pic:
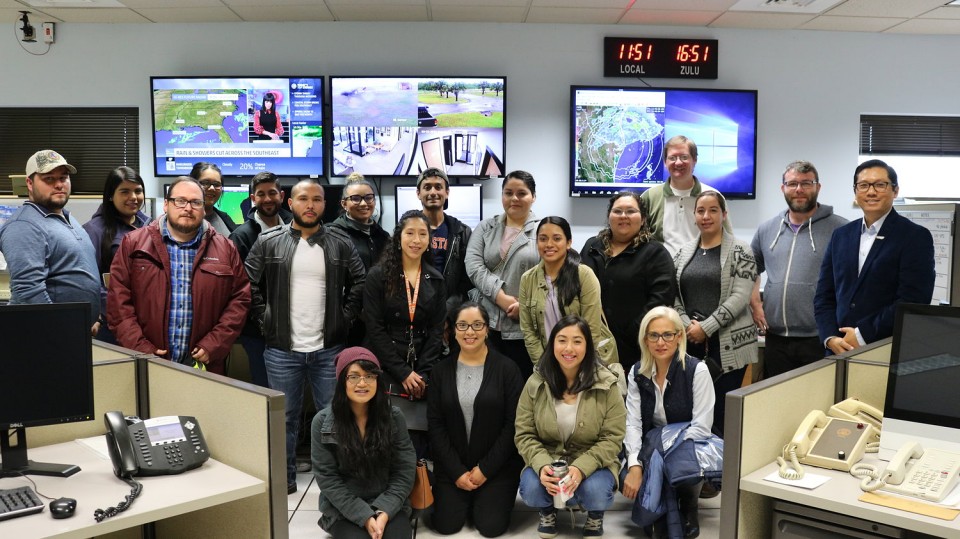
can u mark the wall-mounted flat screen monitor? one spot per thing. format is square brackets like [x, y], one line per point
[465, 202]
[617, 137]
[921, 399]
[400, 126]
[245, 125]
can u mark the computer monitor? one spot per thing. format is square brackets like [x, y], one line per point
[465, 202]
[231, 201]
[46, 377]
[921, 403]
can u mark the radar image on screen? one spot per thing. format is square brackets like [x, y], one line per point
[200, 115]
[620, 144]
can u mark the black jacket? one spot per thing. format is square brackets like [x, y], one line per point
[268, 267]
[388, 323]
[491, 435]
[369, 246]
[455, 271]
[631, 283]
[244, 235]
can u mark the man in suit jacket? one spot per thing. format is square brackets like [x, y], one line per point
[871, 265]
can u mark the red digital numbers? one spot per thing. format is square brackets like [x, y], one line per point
[636, 52]
[693, 53]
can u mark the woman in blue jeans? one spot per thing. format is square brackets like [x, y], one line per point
[570, 410]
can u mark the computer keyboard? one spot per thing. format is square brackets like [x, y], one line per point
[19, 502]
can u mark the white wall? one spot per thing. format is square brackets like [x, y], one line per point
[812, 85]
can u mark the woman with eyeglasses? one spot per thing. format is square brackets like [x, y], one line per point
[211, 180]
[560, 285]
[715, 277]
[362, 457]
[666, 386]
[359, 203]
[472, 405]
[635, 272]
[404, 304]
[500, 250]
[571, 411]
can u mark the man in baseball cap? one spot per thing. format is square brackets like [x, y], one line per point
[49, 255]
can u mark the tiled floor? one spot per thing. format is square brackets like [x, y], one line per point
[302, 506]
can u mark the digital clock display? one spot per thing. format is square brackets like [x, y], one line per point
[660, 58]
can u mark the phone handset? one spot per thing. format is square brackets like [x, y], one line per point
[857, 410]
[894, 473]
[120, 445]
[799, 446]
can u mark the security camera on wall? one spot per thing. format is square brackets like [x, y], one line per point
[29, 33]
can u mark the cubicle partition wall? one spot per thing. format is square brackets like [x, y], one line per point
[763, 417]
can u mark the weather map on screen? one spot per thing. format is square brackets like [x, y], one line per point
[244, 125]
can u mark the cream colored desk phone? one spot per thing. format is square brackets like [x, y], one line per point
[927, 474]
[836, 440]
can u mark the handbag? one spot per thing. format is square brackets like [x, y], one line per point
[421, 497]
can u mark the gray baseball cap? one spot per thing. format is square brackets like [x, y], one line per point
[46, 160]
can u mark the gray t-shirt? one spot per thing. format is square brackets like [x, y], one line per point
[700, 282]
[469, 379]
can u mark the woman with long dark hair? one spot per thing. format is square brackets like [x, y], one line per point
[403, 309]
[267, 123]
[635, 273]
[560, 285]
[472, 407]
[362, 457]
[119, 214]
[715, 277]
[211, 181]
[500, 250]
[570, 425]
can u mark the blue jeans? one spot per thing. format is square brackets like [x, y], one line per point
[254, 347]
[594, 494]
[287, 372]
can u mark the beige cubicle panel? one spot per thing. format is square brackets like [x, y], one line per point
[867, 373]
[244, 427]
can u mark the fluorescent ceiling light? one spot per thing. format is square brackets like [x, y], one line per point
[785, 6]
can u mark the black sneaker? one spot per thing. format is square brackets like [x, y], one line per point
[548, 523]
[593, 527]
[291, 488]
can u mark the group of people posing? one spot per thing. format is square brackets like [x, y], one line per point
[517, 362]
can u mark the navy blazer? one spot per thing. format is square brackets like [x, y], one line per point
[899, 269]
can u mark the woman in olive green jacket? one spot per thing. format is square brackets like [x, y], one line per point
[560, 285]
[570, 410]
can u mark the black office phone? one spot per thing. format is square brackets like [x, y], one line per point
[157, 446]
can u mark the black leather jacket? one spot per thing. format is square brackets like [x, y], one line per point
[268, 267]
[455, 272]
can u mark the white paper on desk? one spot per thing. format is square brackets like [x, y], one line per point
[810, 481]
[98, 444]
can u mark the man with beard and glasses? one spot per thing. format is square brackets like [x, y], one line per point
[177, 287]
[49, 255]
[790, 247]
[307, 285]
[448, 236]
[267, 212]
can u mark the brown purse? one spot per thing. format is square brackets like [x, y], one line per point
[421, 497]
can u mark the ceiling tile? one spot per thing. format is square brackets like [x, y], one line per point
[812, 7]
[574, 15]
[480, 3]
[613, 4]
[851, 24]
[190, 14]
[365, 12]
[283, 13]
[477, 13]
[886, 8]
[267, 4]
[684, 5]
[945, 12]
[670, 18]
[105, 15]
[768, 21]
[927, 26]
[136, 4]
[375, 4]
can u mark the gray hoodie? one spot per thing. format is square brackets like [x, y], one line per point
[792, 263]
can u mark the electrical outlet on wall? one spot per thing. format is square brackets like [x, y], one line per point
[48, 32]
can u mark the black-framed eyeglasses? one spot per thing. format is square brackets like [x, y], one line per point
[806, 184]
[880, 187]
[181, 203]
[354, 379]
[668, 336]
[476, 326]
[216, 186]
[356, 199]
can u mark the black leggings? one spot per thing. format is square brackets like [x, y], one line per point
[514, 349]
[489, 506]
[398, 527]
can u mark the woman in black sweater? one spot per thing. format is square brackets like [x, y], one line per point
[472, 406]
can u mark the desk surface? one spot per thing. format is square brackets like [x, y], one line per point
[839, 495]
[95, 486]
